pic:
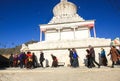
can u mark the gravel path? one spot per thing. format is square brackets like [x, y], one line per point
[61, 74]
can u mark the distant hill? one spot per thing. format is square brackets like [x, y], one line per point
[15, 49]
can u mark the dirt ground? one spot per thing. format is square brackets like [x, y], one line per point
[61, 74]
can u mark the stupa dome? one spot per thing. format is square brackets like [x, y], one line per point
[65, 11]
[64, 8]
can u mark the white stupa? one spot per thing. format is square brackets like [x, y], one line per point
[66, 22]
[67, 30]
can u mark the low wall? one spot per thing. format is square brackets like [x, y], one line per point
[60, 49]
[63, 55]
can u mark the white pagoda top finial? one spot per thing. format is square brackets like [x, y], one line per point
[64, 0]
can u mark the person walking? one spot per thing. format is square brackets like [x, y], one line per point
[114, 55]
[21, 59]
[75, 58]
[55, 61]
[88, 58]
[11, 58]
[92, 57]
[103, 57]
[70, 56]
[41, 58]
[29, 60]
[34, 63]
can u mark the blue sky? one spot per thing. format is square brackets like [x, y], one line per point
[20, 19]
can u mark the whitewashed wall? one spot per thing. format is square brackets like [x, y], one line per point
[63, 55]
[69, 35]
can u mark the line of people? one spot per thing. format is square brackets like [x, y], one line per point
[115, 57]
[29, 60]
[23, 60]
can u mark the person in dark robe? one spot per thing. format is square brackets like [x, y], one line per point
[34, 60]
[41, 58]
[15, 61]
[70, 56]
[55, 61]
[11, 58]
[92, 56]
[88, 58]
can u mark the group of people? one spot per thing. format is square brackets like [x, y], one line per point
[115, 57]
[29, 60]
[23, 60]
